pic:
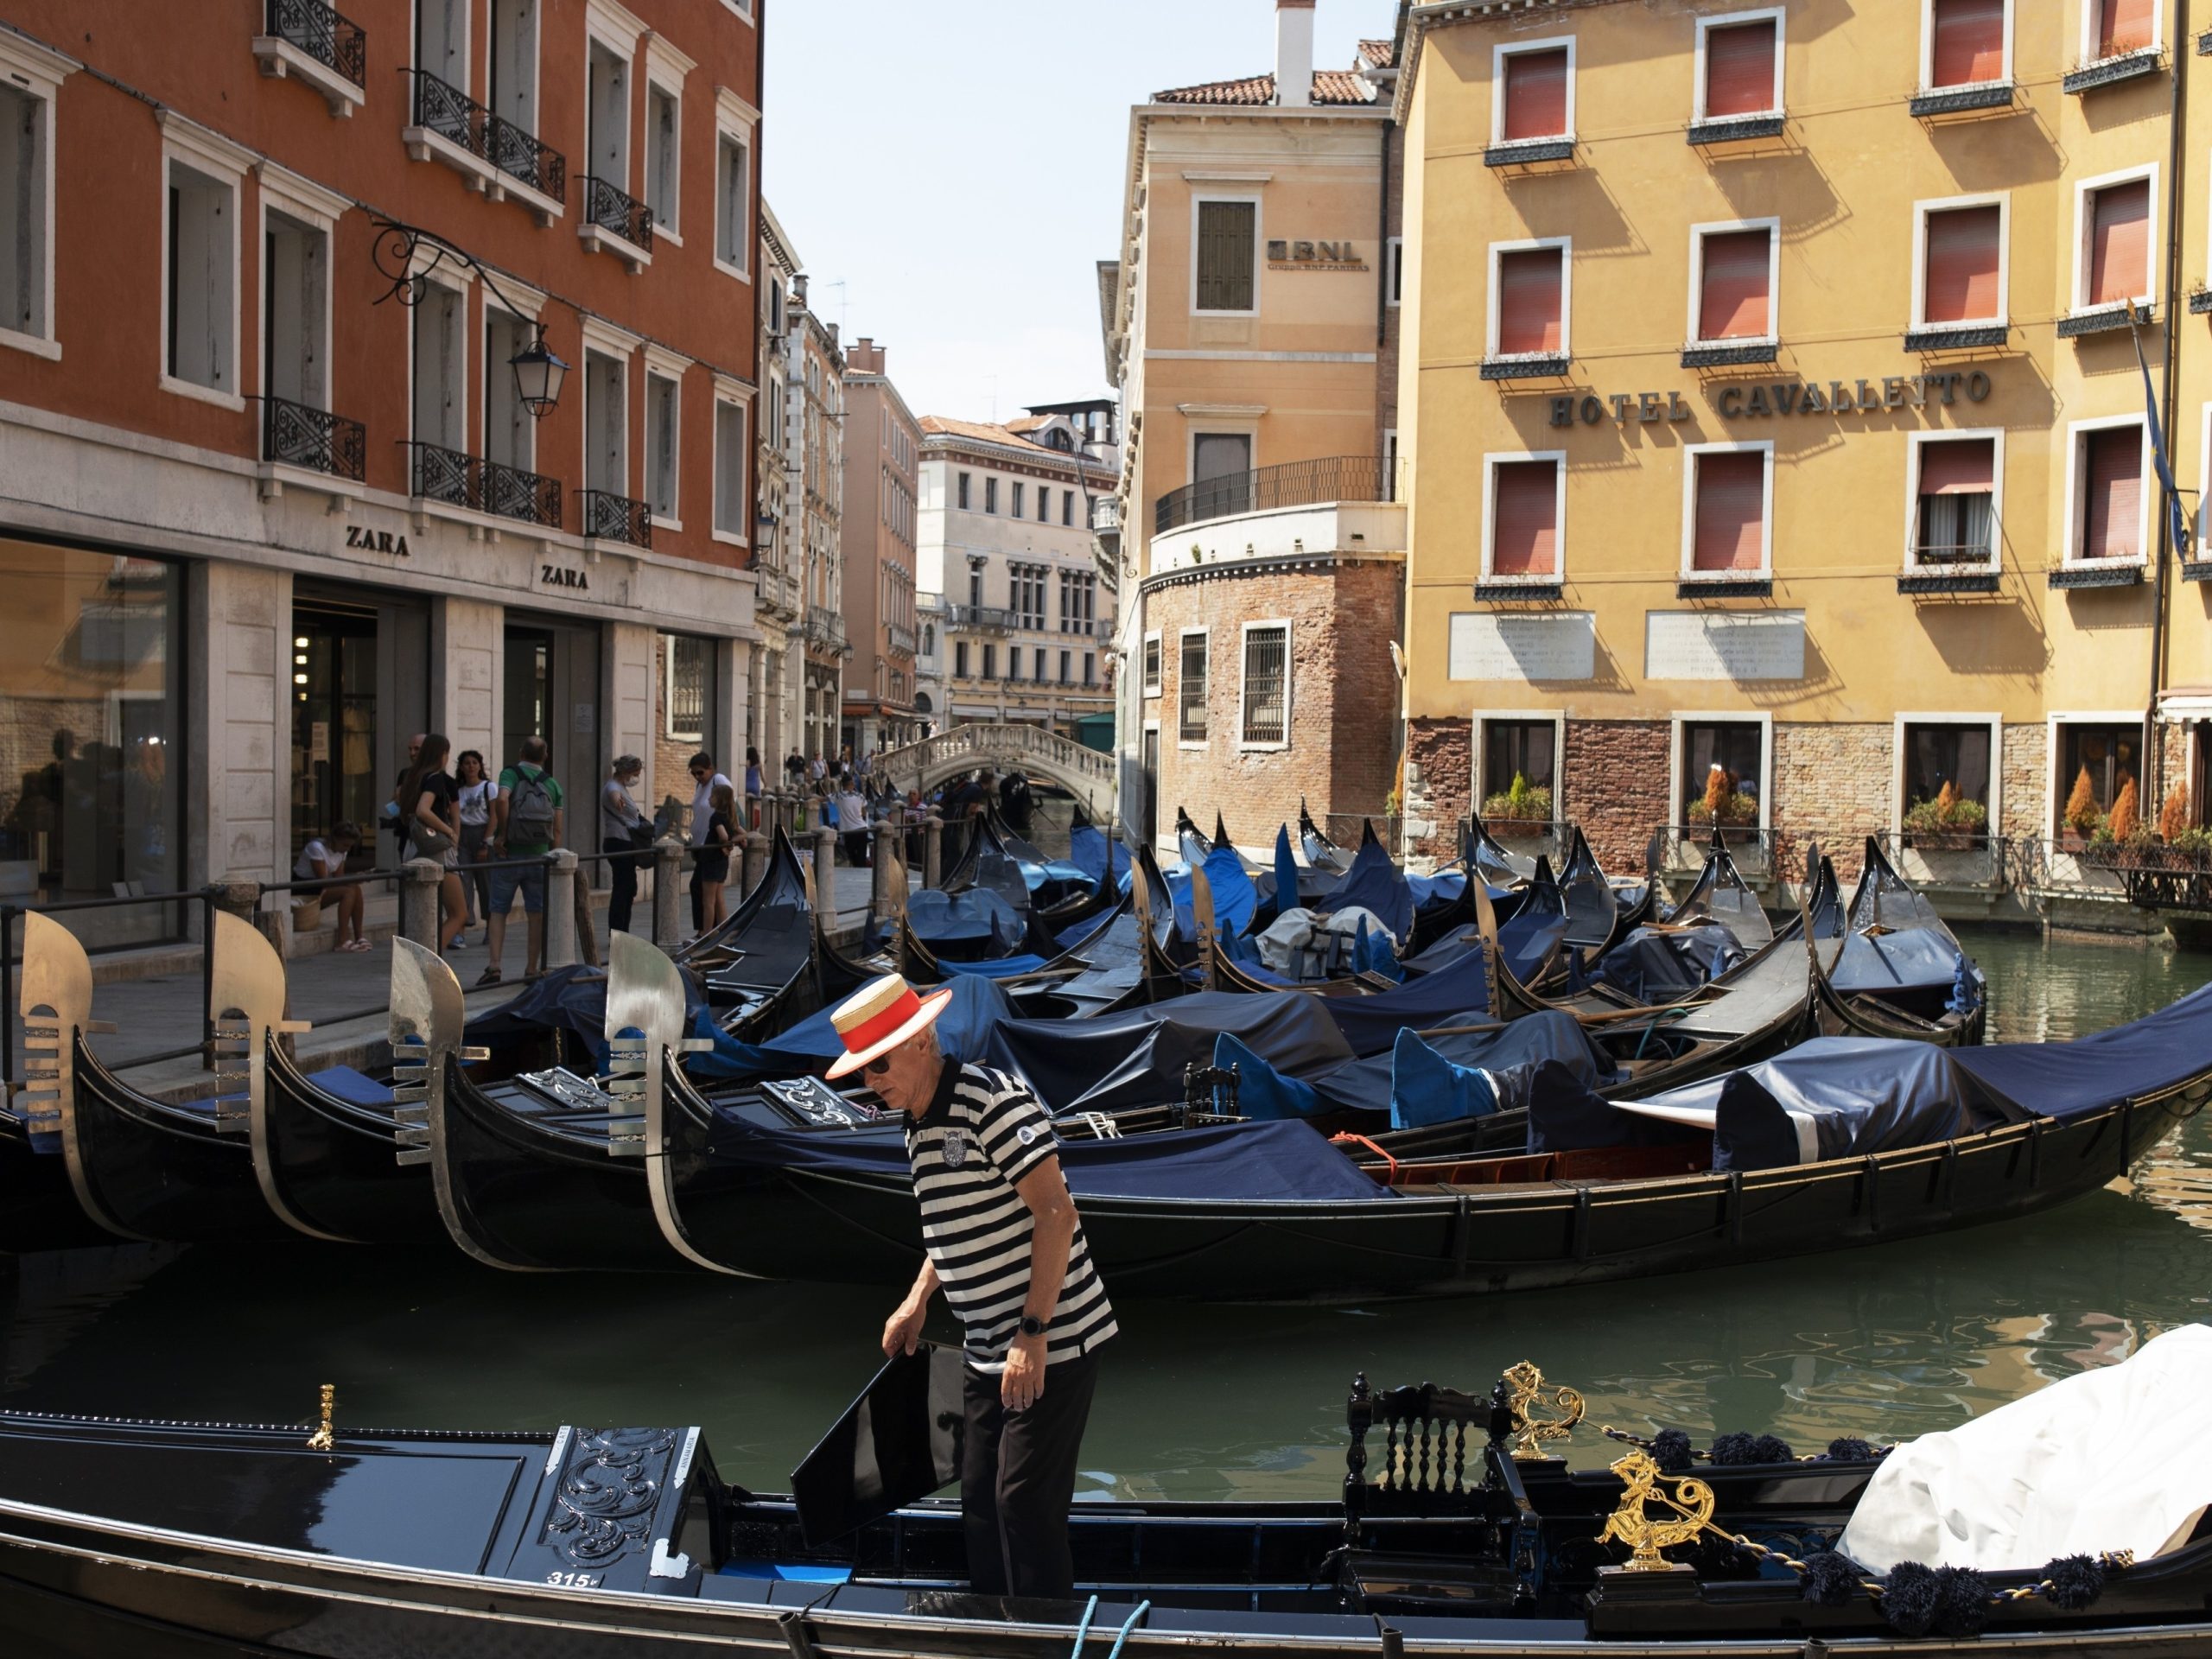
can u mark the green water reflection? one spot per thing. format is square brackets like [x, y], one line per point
[1195, 1403]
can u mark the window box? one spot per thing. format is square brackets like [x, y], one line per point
[2196, 570]
[2200, 301]
[1957, 337]
[1724, 588]
[1947, 584]
[1529, 152]
[1731, 355]
[1519, 589]
[1533, 366]
[2105, 320]
[2098, 575]
[2107, 71]
[1736, 130]
[1960, 100]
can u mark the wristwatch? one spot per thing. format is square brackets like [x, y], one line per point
[1034, 1326]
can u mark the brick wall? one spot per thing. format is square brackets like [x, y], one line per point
[1439, 774]
[1831, 786]
[2027, 759]
[1614, 775]
[1343, 701]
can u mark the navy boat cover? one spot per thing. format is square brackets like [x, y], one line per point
[1456, 994]
[808, 1046]
[1376, 884]
[1234, 897]
[2065, 1080]
[1657, 965]
[977, 918]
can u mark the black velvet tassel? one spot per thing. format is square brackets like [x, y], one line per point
[1961, 1601]
[1849, 1449]
[1910, 1599]
[1733, 1448]
[1830, 1579]
[2076, 1581]
[1670, 1450]
[1771, 1448]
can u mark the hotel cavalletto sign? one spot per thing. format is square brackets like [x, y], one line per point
[1766, 399]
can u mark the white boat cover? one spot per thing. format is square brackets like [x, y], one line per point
[2115, 1458]
[1296, 936]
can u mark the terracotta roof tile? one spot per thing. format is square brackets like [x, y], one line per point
[1331, 88]
[1376, 53]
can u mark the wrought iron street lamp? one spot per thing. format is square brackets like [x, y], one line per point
[406, 255]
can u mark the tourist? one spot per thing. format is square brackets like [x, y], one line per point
[705, 780]
[527, 821]
[1006, 1244]
[476, 793]
[794, 769]
[324, 857]
[852, 822]
[625, 835]
[394, 817]
[711, 864]
[433, 823]
[755, 787]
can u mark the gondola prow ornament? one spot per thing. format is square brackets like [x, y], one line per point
[1689, 1511]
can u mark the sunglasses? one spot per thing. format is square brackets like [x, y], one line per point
[878, 1067]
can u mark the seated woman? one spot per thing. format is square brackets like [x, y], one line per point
[323, 857]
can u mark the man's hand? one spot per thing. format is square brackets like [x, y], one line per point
[902, 1331]
[1022, 1384]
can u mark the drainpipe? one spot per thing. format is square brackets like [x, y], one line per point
[2154, 751]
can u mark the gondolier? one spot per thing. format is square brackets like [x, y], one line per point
[1004, 1241]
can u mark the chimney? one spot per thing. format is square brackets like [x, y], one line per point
[1293, 53]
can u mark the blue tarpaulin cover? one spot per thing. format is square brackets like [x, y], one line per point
[1529, 941]
[574, 1000]
[1378, 886]
[1455, 994]
[1234, 897]
[977, 1003]
[1910, 959]
[977, 918]
[2067, 1079]
[1285, 1161]
[1088, 850]
[355, 1087]
[1659, 964]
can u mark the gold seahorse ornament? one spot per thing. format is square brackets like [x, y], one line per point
[1632, 1524]
[1527, 1393]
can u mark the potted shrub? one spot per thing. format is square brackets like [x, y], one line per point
[1524, 809]
[1950, 823]
[2083, 821]
[1725, 804]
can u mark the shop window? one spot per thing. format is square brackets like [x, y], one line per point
[2115, 263]
[663, 418]
[92, 696]
[1965, 43]
[2094, 764]
[1191, 689]
[663, 156]
[1723, 768]
[2109, 494]
[732, 506]
[1531, 308]
[1152, 666]
[1520, 769]
[26, 218]
[1264, 696]
[1947, 777]
[1742, 68]
[1225, 269]
[1735, 284]
[1955, 517]
[1962, 271]
[1536, 93]
[1728, 511]
[201, 316]
[1524, 519]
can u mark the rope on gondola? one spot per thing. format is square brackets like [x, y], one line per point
[1347, 1139]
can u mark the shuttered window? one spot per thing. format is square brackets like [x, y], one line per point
[1530, 281]
[1536, 95]
[1731, 510]
[1969, 48]
[1225, 248]
[1739, 77]
[1964, 254]
[1191, 691]
[2112, 493]
[1957, 496]
[1524, 518]
[2120, 242]
[1732, 299]
[1267, 684]
[2123, 26]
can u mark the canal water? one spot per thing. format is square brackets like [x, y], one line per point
[1194, 1402]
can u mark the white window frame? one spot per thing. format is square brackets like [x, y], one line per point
[443, 274]
[2076, 433]
[186, 143]
[1181, 742]
[736, 119]
[2203, 523]
[1915, 446]
[1151, 687]
[2056, 787]
[2000, 200]
[1764, 719]
[1244, 646]
[2083, 189]
[1994, 723]
[1209, 427]
[663, 78]
[37, 74]
[285, 191]
[739, 398]
[1483, 784]
[2089, 40]
[1521, 48]
[662, 363]
[1537, 244]
[668, 689]
[525, 306]
[1729, 20]
[1691, 452]
[1723, 227]
[741, 10]
[1492, 462]
[1393, 271]
[1928, 51]
[1198, 198]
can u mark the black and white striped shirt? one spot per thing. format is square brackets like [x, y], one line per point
[982, 1132]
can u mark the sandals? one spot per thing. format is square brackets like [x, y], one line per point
[490, 977]
[357, 945]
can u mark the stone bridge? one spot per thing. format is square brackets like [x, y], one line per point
[1084, 772]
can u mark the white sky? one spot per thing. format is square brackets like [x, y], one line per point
[958, 165]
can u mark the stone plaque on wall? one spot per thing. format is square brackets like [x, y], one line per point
[1553, 646]
[1724, 645]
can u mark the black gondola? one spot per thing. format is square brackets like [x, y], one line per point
[1901, 973]
[758, 966]
[1320, 852]
[39, 1209]
[333, 1165]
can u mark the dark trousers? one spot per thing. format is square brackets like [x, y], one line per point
[698, 899]
[622, 871]
[1017, 1479]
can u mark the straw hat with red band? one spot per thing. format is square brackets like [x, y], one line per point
[882, 1014]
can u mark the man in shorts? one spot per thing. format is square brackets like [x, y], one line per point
[525, 824]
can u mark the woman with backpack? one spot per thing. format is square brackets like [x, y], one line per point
[526, 821]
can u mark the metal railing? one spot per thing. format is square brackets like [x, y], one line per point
[332, 39]
[1949, 858]
[825, 627]
[299, 434]
[437, 474]
[492, 139]
[615, 211]
[206, 897]
[1953, 553]
[449, 112]
[981, 616]
[1295, 484]
[611, 518]
[1682, 846]
[901, 637]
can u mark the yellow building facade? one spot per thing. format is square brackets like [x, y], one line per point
[1775, 422]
